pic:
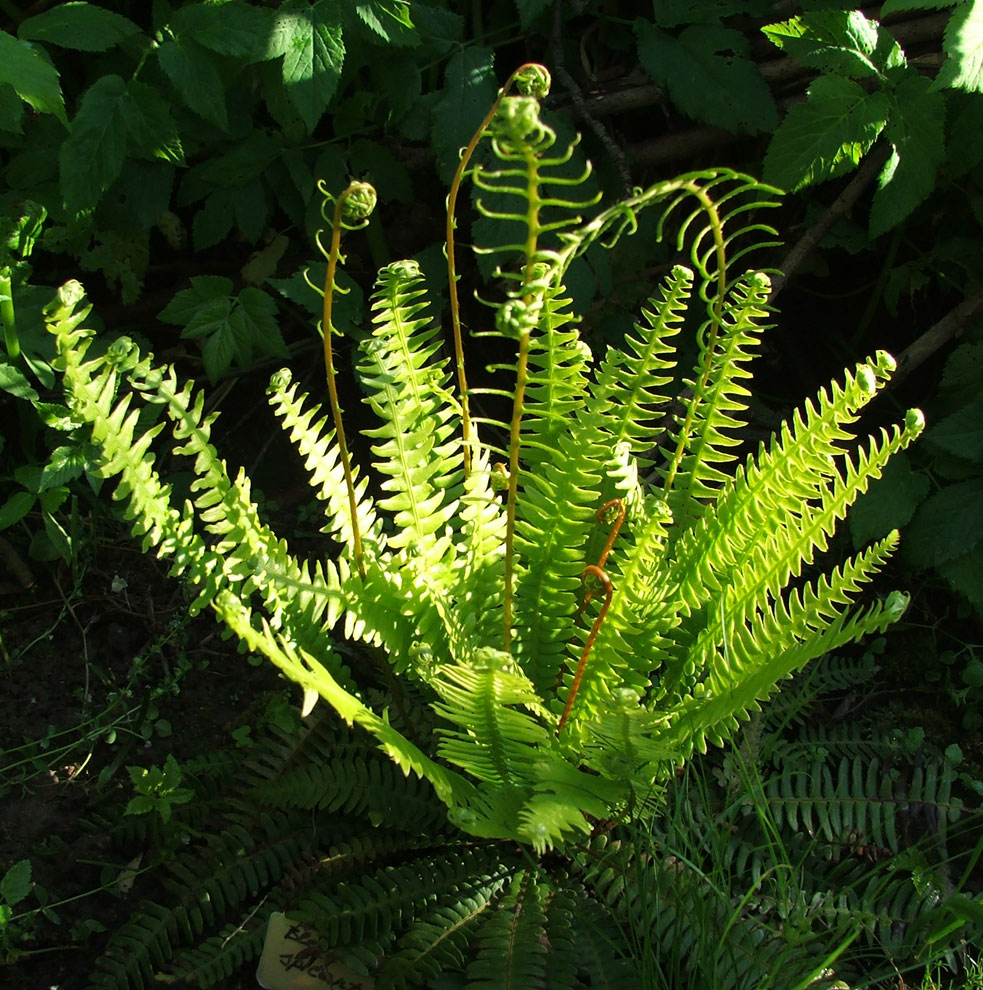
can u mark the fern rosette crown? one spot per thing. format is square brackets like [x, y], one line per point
[569, 600]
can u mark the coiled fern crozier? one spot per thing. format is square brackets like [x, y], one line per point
[579, 596]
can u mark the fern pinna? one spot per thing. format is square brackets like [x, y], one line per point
[580, 595]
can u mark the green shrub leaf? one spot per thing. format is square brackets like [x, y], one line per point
[841, 42]
[197, 80]
[949, 524]
[33, 78]
[709, 75]
[915, 130]
[79, 26]
[228, 27]
[16, 882]
[113, 113]
[309, 37]
[827, 135]
[391, 20]
[469, 88]
[963, 45]
[889, 503]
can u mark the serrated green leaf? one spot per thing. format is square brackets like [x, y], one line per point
[889, 503]
[228, 27]
[309, 37]
[80, 26]
[15, 508]
[14, 381]
[32, 76]
[238, 167]
[252, 210]
[16, 882]
[11, 110]
[964, 150]
[255, 322]
[963, 46]
[709, 75]
[219, 351]
[235, 327]
[148, 119]
[214, 221]
[827, 135]
[916, 132]
[469, 89]
[93, 154]
[195, 77]
[840, 42]
[204, 289]
[947, 525]
[390, 20]
[113, 114]
[965, 575]
[962, 432]
[64, 465]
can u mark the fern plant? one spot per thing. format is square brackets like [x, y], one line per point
[581, 592]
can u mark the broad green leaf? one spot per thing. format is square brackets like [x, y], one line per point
[111, 116]
[228, 27]
[64, 465]
[235, 328]
[916, 132]
[214, 220]
[709, 75]
[15, 508]
[529, 10]
[80, 26]
[148, 119]
[31, 75]
[841, 42]
[827, 135]
[963, 46]
[965, 575]
[889, 503]
[390, 20]
[254, 320]
[309, 37]
[960, 433]
[243, 163]
[204, 289]
[14, 381]
[93, 154]
[947, 525]
[16, 882]
[965, 148]
[469, 89]
[11, 110]
[195, 77]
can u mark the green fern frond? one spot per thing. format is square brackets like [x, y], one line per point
[625, 392]
[417, 453]
[704, 438]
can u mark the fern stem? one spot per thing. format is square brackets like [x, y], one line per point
[527, 313]
[334, 253]
[602, 515]
[585, 653]
[521, 378]
[452, 276]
